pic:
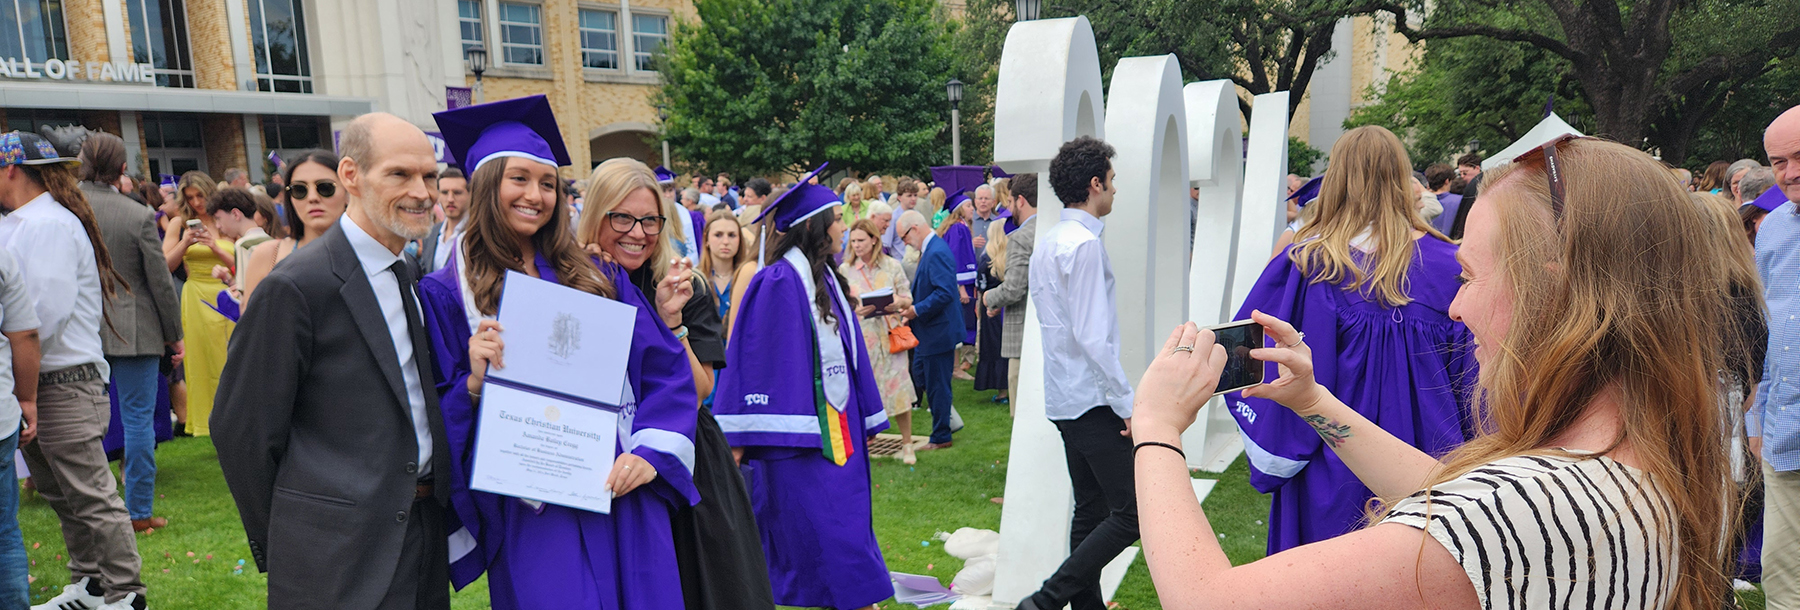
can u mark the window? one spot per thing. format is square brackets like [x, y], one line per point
[648, 33]
[468, 16]
[599, 39]
[30, 119]
[172, 131]
[290, 132]
[521, 36]
[278, 36]
[159, 37]
[33, 29]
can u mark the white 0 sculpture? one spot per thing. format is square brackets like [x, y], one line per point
[1049, 93]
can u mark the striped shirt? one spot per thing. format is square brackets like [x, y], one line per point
[1553, 532]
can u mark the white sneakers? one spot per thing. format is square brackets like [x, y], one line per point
[74, 597]
[79, 596]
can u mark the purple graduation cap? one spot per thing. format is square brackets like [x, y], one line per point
[521, 127]
[1307, 192]
[1770, 199]
[801, 202]
[664, 176]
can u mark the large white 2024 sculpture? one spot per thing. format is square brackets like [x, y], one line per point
[1168, 138]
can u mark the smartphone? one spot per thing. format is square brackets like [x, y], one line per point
[1241, 371]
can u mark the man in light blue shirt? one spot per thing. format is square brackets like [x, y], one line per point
[1773, 422]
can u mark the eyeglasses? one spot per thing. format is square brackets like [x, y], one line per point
[297, 192]
[623, 223]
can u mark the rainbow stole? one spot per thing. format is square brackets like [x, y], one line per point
[834, 425]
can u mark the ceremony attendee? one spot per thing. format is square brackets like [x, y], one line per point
[869, 269]
[315, 203]
[1086, 393]
[235, 215]
[718, 552]
[1735, 173]
[798, 357]
[906, 197]
[685, 237]
[1015, 282]
[1713, 179]
[148, 320]
[936, 321]
[1468, 168]
[875, 189]
[727, 265]
[539, 555]
[194, 245]
[19, 363]
[853, 209]
[329, 431]
[882, 215]
[50, 231]
[990, 366]
[236, 177]
[1371, 283]
[1442, 180]
[956, 233]
[1773, 426]
[1756, 182]
[1599, 478]
[755, 193]
[453, 198]
[708, 198]
[986, 211]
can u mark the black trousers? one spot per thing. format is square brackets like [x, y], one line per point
[1106, 520]
[422, 580]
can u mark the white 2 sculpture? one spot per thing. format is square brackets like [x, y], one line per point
[1049, 93]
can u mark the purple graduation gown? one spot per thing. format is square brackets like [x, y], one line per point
[560, 557]
[962, 246]
[816, 517]
[1408, 369]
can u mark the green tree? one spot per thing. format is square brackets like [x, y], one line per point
[764, 86]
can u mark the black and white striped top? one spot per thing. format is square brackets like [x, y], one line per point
[1554, 532]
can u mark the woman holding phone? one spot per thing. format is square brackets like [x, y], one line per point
[194, 242]
[1370, 283]
[1599, 476]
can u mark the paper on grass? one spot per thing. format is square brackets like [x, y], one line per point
[921, 590]
[564, 340]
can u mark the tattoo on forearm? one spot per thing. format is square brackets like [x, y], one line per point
[1334, 433]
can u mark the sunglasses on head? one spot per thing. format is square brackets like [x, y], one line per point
[1553, 170]
[298, 192]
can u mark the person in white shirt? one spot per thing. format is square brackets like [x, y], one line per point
[19, 350]
[453, 197]
[50, 230]
[234, 213]
[1086, 393]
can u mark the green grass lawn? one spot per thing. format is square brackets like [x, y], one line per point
[191, 563]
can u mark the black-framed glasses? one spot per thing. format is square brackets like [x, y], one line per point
[623, 223]
[297, 192]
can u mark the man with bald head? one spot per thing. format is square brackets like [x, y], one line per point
[326, 420]
[1773, 420]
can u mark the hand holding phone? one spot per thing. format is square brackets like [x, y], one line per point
[1295, 388]
[1177, 384]
[1239, 339]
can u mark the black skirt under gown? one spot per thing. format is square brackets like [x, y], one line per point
[717, 544]
[990, 367]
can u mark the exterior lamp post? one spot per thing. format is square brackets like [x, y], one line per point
[478, 63]
[955, 90]
[1027, 10]
[662, 114]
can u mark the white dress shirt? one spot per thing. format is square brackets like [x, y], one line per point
[377, 261]
[450, 238]
[16, 315]
[53, 250]
[1072, 293]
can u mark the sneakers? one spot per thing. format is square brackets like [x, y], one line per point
[87, 595]
[84, 595]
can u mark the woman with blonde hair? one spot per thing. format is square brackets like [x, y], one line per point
[1598, 475]
[955, 231]
[195, 243]
[624, 220]
[868, 270]
[990, 366]
[1371, 282]
[854, 209]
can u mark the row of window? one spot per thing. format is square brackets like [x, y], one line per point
[159, 36]
[522, 34]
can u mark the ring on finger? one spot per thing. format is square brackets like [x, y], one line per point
[1182, 348]
[1297, 341]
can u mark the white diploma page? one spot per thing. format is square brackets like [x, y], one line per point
[546, 449]
[564, 340]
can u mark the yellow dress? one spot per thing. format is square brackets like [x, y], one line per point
[205, 332]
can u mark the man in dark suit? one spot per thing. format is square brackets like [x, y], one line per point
[145, 317]
[326, 420]
[936, 320]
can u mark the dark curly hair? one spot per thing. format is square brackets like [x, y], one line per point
[1078, 162]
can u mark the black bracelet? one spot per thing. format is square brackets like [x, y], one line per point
[1173, 448]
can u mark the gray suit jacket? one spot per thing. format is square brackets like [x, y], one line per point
[428, 249]
[149, 315]
[1014, 287]
[315, 435]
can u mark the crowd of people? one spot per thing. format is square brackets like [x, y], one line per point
[1547, 383]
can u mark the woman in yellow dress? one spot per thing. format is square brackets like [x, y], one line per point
[205, 333]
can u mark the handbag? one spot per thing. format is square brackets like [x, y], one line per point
[900, 339]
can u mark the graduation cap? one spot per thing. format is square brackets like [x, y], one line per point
[1770, 199]
[801, 202]
[1307, 192]
[664, 176]
[1550, 129]
[521, 127]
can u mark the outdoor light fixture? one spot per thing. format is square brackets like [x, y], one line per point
[477, 56]
[954, 90]
[662, 115]
[1027, 10]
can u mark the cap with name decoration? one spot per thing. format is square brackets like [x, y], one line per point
[1770, 199]
[664, 176]
[1307, 192]
[801, 202]
[521, 127]
[26, 148]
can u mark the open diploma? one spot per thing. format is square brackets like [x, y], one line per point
[546, 449]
